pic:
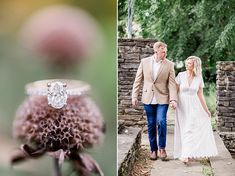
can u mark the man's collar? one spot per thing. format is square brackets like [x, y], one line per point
[157, 60]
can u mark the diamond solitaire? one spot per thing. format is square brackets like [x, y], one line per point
[57, 94]
[57, 91]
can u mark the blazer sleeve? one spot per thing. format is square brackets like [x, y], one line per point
[138, 81]
[172, 84]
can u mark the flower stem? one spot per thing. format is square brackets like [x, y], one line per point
[56, 171]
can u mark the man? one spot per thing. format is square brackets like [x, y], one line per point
[159, 89]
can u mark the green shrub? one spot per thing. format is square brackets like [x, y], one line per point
[210, 96]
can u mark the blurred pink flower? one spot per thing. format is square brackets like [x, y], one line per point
[64, 34]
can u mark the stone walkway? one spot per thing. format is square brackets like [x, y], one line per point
[222, 165]
[129, 143]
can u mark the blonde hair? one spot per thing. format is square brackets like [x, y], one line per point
[159, 44]
[197, 64]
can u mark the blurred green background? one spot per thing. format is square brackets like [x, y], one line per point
[19, 66]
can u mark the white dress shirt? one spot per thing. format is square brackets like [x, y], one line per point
[155, 69]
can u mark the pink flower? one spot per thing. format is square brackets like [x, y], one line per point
[62, 33]
[63, 133]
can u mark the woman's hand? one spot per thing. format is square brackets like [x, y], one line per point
[209, 113]
[173, 104]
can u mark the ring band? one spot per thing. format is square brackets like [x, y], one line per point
[57, 90]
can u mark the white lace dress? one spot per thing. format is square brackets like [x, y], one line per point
[193, 135]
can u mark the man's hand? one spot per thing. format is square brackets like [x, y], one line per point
[134, 101]
[173, 104]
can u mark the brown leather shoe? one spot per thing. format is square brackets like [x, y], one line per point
[153, 155]
[163, 154]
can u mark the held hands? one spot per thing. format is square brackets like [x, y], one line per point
[173, 104]
[135, 101]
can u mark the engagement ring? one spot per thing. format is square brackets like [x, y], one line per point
[57, 90]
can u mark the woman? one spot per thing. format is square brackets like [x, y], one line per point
[193, 132]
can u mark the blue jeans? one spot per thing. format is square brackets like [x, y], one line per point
[156, 117]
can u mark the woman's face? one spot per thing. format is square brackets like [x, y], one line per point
[190, 65]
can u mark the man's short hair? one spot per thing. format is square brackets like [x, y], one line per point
[159, 44]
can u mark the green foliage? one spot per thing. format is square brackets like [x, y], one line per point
[210, 97]
[122, 17]
[193, 27]
[207, 170]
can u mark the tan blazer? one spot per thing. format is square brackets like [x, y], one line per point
[163, 87]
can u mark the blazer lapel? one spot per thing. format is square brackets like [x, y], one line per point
[161, 68]
[151, 67]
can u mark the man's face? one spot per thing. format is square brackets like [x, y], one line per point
[161, 52]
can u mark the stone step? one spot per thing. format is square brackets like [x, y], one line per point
[128, 146]
[223, 164]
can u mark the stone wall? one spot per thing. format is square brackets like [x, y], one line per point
[129, 144]
[130, 52]
[226, 103]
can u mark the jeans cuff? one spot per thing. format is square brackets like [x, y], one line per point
[162, 147]
[154, 149]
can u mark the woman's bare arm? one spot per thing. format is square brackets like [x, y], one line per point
[203, 101]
